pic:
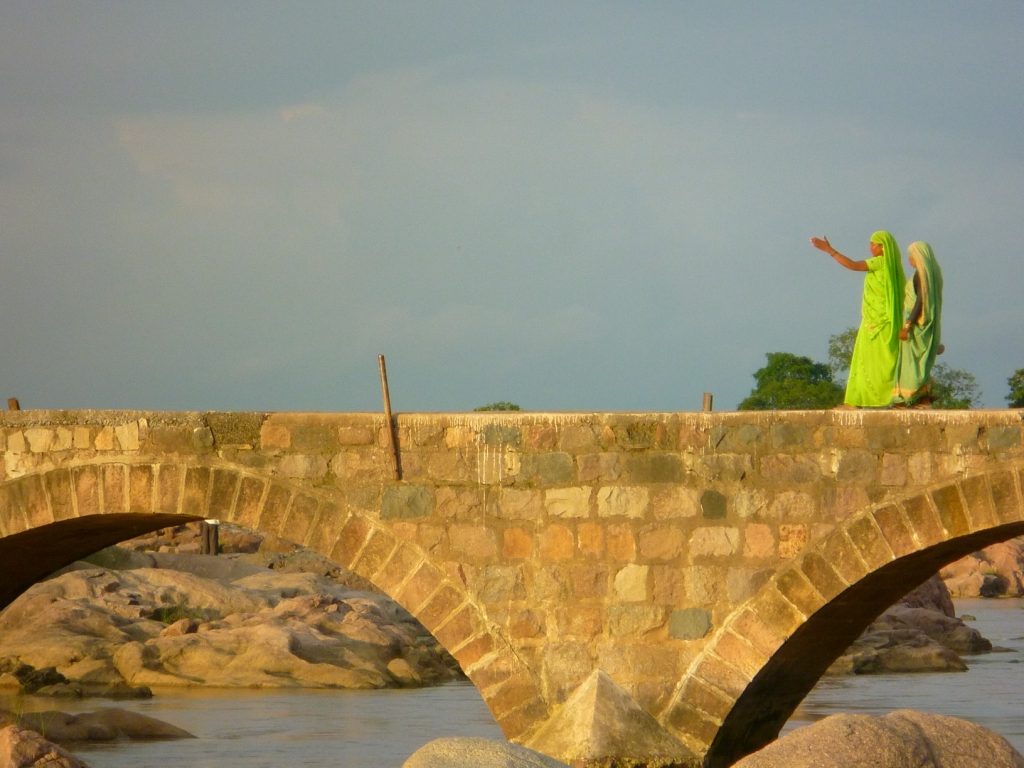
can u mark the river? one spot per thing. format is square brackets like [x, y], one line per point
[380, 729]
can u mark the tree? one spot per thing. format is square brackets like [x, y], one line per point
[1016, 396]
[501, 405]
[791, 382]
[840, 352]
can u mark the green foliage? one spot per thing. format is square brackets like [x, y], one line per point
[501, 405]
[840, 352]
[1016, 396]
[953, 389]
[791, 382]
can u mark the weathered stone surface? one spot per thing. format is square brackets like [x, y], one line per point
[600, 721]
[468, 752]
[900, 739]
[24, 748]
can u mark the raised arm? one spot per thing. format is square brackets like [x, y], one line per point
[822, 244]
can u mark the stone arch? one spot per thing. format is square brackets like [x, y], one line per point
[769, 653]
[53, 517]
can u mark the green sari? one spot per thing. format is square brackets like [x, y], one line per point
[917, 353]
[873, 365]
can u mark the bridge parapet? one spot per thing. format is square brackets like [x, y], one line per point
[539, 547]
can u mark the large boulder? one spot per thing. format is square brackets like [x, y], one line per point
[900, 739]
[23, 748]
[220, 622]
[996, 571]
[920, 633]
[108, 724]
[465, 752]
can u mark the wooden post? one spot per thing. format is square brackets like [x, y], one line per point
[392, 440]
[708, 398]
[13, 404]
[210, 537]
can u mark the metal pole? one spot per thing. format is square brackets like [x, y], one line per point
[392, 441]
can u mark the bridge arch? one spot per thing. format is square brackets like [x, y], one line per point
[739, 692]
[53, 517]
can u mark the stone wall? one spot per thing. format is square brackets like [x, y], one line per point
[537, 547]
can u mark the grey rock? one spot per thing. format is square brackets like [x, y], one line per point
[477, 753]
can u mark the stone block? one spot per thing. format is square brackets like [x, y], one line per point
[704, 584]
[895, 529]
[724, 467]
[551, 468]
[599, 467]
[501, 435]
[792, 540]
[795, 587]
[115, 487]
[857, 467]
[689, 623]
[249, 503]
[752, 628]
[275, 508]
[661, 543]
[127, 436]
[924, 520]
[445, 602]
[527, 624]
[375, 553]
[223, 487]
[587, 581]
[631, 583]
[407, 502]
[327, 528]
[39, 439]
[579, 620]
[789, 470]
[668, 585]
[499, 584]
[654, 468]
[749, 504]
[894, 470]
[743, 583]
[590, 539]
[60, 493]
[712, 505]
[426, 580]
[567, 502]
[555, 543]
[920, 467]
[950, 508]
[87, 490]
[576, 438]
[632, 619]
[1002, 439]
[786, 435]
[714, 671]
[463, 504]
[842, 556]
[696, 729]
[980, 511]
[516, 504]
[516, 543]
[821, 574]
[301, 516]
[868, 540]
[779, 616]
[714, 541]
[1006, 499]
[141, 482]
[792, 505]
[739, 653]
[473, 543]
[104, 439]
[674, 502]
[622, 501]
[758, 541]
[37, 508]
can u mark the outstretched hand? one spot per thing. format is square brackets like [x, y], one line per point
[822, 244]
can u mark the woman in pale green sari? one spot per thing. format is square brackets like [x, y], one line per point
[921, 333]
[873, 365]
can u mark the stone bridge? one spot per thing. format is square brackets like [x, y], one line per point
[706, 567]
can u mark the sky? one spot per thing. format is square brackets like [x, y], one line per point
[573, 206]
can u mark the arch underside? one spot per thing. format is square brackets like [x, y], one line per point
[55, 517]
[897, 547]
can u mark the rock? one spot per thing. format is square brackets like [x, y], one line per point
[601, 721]
[996, 571]
[238, 625]
[477, 753]
[900, 739]
[920, 633]
[102, 725]
[23, 748]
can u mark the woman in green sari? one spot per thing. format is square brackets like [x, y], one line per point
[873, 365]
[921, 333]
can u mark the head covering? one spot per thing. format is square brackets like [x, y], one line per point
[892, 269]
[929, 276]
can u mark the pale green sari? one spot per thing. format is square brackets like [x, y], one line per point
[917, 353]
[873, 365]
